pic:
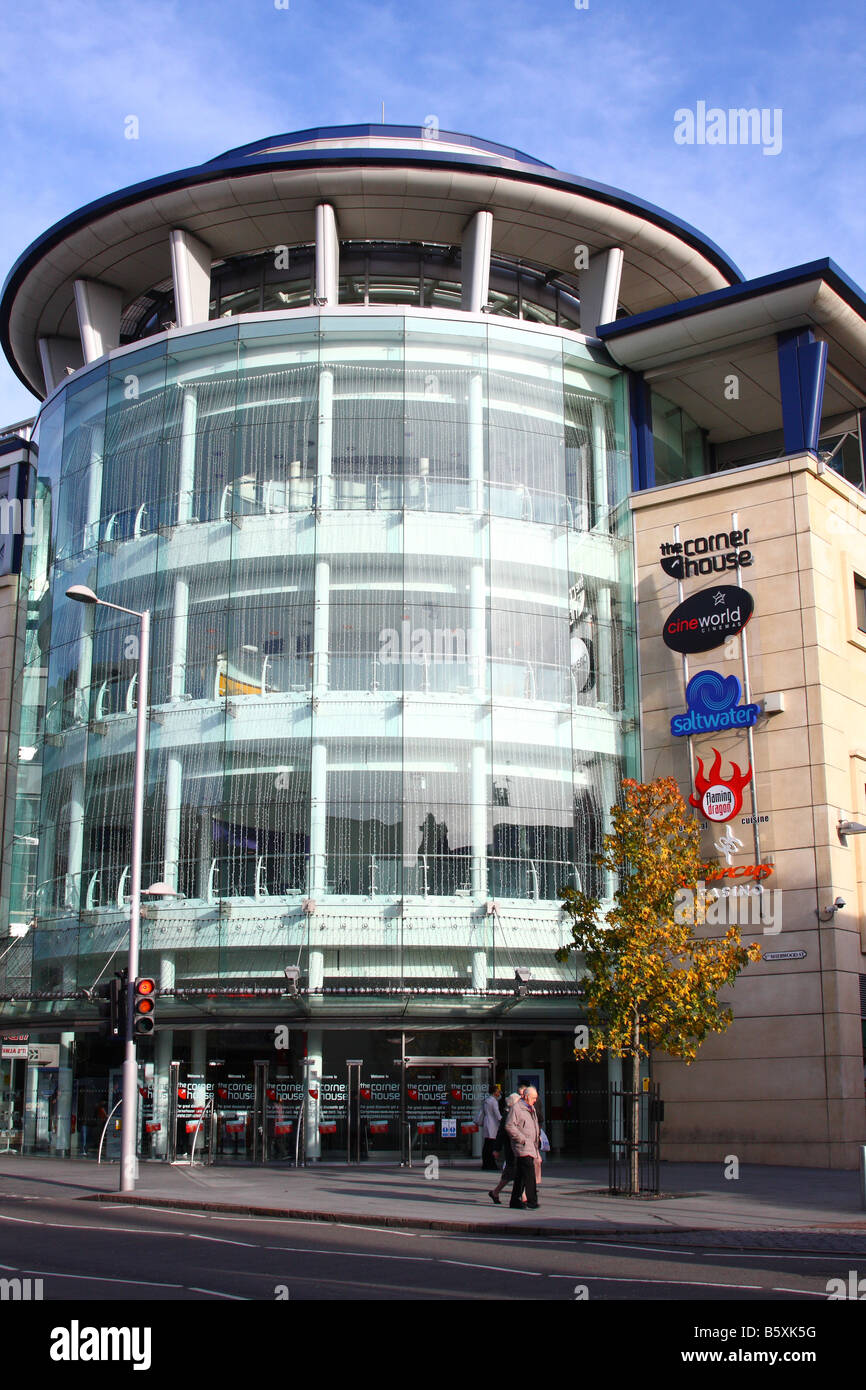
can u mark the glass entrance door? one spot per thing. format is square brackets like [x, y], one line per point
[189, 1131]
[442, 1098]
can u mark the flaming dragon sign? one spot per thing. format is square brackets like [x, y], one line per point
[719, 798]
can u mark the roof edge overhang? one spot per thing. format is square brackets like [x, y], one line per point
[499, 163]
[817, 293]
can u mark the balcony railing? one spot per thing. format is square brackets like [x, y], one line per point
[257, 877]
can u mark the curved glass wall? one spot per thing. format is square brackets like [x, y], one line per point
[392, 677]
[371, 272]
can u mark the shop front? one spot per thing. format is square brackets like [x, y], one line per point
[231, 1096]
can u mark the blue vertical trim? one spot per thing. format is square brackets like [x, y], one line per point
[802, 372]
[643, 472]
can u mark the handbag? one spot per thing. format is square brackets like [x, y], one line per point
[545, 1143]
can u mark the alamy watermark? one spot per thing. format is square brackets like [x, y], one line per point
[417, 646]
[21, 1290]
[25, 518]
[734, 126]
[740, 905]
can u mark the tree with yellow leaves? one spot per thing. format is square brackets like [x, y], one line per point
[651, 982]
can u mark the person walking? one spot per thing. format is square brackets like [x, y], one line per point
[490, 1118]
[523, 1130]
[502, 1146]
[542, 1138]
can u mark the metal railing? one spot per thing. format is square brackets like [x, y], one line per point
[258, 878]
[625, 1144]
[252, 496]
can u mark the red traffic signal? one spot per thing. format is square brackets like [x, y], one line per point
[143, 1006]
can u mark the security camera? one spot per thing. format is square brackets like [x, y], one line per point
[839, 904]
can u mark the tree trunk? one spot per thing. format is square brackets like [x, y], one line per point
[634, 1176]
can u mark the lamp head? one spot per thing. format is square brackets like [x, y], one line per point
[81, 594]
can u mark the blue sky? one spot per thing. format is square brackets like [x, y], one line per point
[592, 91]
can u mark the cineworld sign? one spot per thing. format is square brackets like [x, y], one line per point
[707, 619]
[713, 703]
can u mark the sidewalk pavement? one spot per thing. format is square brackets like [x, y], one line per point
[814, 1208]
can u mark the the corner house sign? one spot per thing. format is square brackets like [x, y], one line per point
[706, 554]
[713, 703]
[707, 619]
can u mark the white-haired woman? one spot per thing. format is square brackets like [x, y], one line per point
[502, 1147]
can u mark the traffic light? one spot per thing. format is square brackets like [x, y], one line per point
[143, 1006]
[118, 1000]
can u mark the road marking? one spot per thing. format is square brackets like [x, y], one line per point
[215, 1293]
[381, 1230]
[349, 1254]
[217, 1240]
[104, 1279]
[720, 1252]
[615, 1245]
[502, 1269]
[806, 1293]
[639, 1279]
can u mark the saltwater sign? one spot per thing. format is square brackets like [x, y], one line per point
[713, 703]
[707, 619]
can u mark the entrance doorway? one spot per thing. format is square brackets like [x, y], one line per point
[442, 1099]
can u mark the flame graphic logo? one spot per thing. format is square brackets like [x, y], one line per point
[719, 798]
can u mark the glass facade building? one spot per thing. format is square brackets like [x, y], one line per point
[392, 653]
[348, 434]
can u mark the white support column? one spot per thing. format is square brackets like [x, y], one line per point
[599, 289]
[321, 628]
[173, 796]
[186, 480]
[327, 256]
[479, 822]
[478, 629]
[476, 442]
[84, 670]
[476, 248]
[610, 797]
[205, 852]
[604, 648]
[190, 271]
[479, 970]
[46, 865]
[325, 441]
[179, 635]
[72, 896]
[94, 487]
[98, 308]
[59, 356]
[313, 1082]
[315, 969]
[163, 1046]
[61, 1140]
[599, 466]
[162, 1050]
[318, 817]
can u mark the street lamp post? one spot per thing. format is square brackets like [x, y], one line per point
[129, 1111]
